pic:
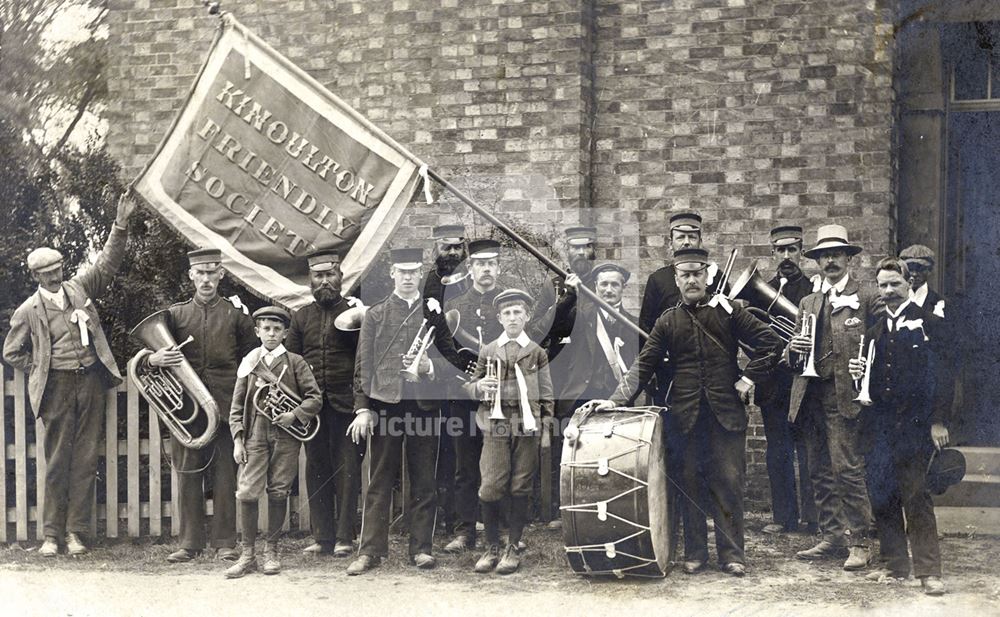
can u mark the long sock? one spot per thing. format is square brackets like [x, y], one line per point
[248, 524]
[276, 509]
[518, 518]
[491, 520]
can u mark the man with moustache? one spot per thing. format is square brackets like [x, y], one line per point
[56, 338]
[333, 461]
[661, 290]
[707, 421]
[600, 349]
[911, 396]
[829, 413]
[784, 440]
[223, 333]
[478, 321]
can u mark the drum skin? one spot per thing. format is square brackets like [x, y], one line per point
[613, 483]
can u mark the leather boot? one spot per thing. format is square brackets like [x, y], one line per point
[246, 564]
[272, 565]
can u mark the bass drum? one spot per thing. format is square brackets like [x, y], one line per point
[613, 482]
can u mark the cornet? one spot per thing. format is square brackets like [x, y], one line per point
[493, 369]
[417, 349]
[865, 397]
[809, 330]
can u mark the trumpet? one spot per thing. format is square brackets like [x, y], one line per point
[165, 389]
[864, 385]
[809, 330]
[271, 399]
[417, 349]
[494, 371]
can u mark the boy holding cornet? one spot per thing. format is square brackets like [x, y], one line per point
[907, 396]
[512, 381]
[275, 395]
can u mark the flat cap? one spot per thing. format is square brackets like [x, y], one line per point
[688, 220]
[323, 259]
[407, 258]
[918, 252]
[204, 256]
[509, 295]
[44, 259]
[484, 249]
[273, 312]
[609, 266]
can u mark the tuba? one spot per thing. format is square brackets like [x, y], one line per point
[164, 388]
[271, 399]
[770, 306]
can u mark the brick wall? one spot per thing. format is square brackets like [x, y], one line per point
[551, 112]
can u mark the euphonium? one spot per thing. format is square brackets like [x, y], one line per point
[272, 399]
[772, 307]
[865, 397]
[809, 329]
[164, 388]
[417, 349]
[350, 320]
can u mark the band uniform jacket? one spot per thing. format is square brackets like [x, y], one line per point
[387, 331]
[28, 346]
[534, 366]
[910, 386]
[475, 309]
[703, 359]
[781, 379]
[660, 293]
[297, 378]
[222, 335]
[846, 327]
[582, 369]
[329, 352]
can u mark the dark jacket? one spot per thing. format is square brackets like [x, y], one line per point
[846, 327]
[388, 330]
[910, 385]
[703, 360]
[582, 370]
[28, 346]
[329, 352]
[222, 335]
[660, 293]
[297, 378]
[778, 386]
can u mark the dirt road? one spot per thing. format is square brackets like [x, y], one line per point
[128, 579]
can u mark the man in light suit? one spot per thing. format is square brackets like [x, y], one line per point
[826, 402]
[57, 339]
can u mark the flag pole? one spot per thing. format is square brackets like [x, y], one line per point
[551, 265]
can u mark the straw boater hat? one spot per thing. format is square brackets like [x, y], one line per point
[832, 237]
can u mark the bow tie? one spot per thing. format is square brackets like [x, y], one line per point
[838, 302]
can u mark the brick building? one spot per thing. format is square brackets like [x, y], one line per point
[612, 112]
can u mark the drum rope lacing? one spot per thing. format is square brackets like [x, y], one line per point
[601, 507]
